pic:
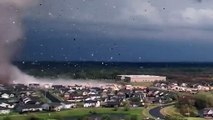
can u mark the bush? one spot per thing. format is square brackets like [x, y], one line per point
[201, 101]
[115, 108]
[126, 106]
[187, 110]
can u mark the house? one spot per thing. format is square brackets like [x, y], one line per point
[26, 100]
[52, 106]
[92, 103]
[96, 89]
[85, 93]
[68, 105]
[66, 95]
[47, 86]
[183, 85]
[208, 113]
[203, 88]
[111, 103]
[78, 87]
[28, 108]
[95, 96]
[2, 87]
[129, 87]
[151, 99]
[4, 110]
[34, 85]
[12, 101]
[76, 98]
[20, 87]
[58, 87]
[26, 93]
[136, 104]
[7, 95]
[7, 105]
[31, 100]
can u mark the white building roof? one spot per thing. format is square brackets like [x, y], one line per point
[140, 76]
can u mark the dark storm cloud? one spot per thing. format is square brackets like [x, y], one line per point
[101, 30]
[199, 1]
[137, 18]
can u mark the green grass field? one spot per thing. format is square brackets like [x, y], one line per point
[172, 111]
[193, 118]
[76, 113]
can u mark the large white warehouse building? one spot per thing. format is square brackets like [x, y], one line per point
[140, 78]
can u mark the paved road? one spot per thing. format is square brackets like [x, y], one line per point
[155, 112]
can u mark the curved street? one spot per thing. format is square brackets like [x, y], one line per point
[155, 112]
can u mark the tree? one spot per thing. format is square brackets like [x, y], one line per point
[202, 101]
[210, 101]
[126, 106]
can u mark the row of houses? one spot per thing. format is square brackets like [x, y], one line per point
[108, 97]
[183, 87]
[22, 98]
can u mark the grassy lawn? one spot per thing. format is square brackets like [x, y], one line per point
[172, 111]
[193, 118]
[77, 112]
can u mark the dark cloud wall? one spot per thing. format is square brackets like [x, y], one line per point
[143, 30]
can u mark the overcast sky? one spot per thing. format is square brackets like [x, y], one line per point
[119, 30]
